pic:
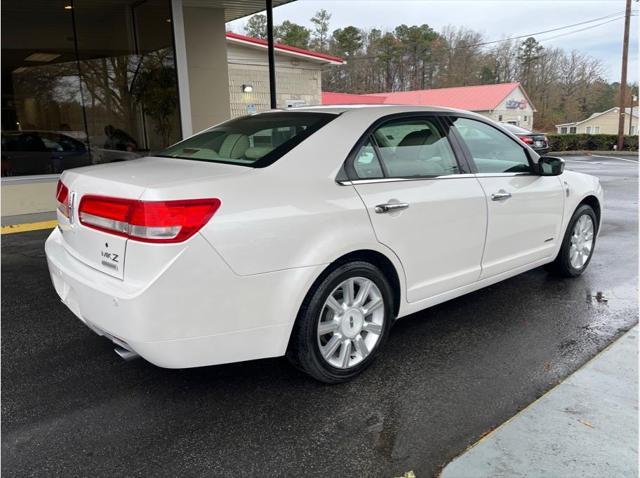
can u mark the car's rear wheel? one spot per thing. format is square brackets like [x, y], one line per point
[578, 243]
[342, 323]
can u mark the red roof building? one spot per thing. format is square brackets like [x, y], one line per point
[331, 98]
[506, 102]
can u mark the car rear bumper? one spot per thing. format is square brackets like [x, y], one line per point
[196, 312]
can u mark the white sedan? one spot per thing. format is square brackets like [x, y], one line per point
[308, 232]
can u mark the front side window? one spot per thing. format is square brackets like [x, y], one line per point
[254, 141]
[414, 148]
[572, 130]
[491, 150]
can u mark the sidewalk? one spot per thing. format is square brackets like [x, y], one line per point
[585, 427]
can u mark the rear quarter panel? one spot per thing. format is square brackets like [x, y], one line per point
[293, 213]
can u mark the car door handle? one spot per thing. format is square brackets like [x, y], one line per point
[500, 196]
[391, 206]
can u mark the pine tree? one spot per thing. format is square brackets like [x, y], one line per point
[321, 29]
[257, 27]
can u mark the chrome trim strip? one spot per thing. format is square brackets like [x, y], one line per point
[502, 175]
[397, 180]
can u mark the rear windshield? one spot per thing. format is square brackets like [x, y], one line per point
[254, 141]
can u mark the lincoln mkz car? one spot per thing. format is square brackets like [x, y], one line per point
[308, 232]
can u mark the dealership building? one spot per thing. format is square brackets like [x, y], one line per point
[504, 102]
[94, 81]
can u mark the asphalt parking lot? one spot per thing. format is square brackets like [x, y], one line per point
[71, 407]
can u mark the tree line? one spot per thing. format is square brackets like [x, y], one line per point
[563, 86]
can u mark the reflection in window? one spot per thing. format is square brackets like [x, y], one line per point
[492, 150]
[114, 98]
[128, 78]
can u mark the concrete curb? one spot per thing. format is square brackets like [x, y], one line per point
[584, 426]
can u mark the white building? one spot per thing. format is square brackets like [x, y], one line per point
[93, 81]
[605, 122]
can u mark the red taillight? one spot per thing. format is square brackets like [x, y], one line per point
[526, 139]
[147, 221]
[62, 196]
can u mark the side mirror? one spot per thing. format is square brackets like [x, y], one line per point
[550, 166]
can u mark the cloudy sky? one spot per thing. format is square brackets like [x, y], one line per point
[496, 19]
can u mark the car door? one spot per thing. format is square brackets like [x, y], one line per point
[525, 209]
[422, 202]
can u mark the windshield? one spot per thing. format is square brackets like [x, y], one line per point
[254, 141]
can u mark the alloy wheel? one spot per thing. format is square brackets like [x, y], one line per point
[581, 241]
[351, 322]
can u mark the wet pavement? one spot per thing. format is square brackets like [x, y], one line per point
[447, 375]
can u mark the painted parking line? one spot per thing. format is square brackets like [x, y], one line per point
[615, 157]
[31, 226]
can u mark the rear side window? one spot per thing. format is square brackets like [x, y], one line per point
[366, 163]
[414, 148]
[491, 150]
[254, 141]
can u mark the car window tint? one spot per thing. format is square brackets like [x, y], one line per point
[366, 163]
[250, 140]
[491, 150]
[415, 148]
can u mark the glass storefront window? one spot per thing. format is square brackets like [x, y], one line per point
[85, 82]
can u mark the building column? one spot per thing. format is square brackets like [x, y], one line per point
[201, 59]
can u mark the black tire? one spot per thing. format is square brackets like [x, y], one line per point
[304, 351]
[562, 265]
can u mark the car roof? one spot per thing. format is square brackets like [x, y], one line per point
[372, 110]
[371, 107]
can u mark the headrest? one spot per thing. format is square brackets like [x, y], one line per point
[417, 138]
[234, 146]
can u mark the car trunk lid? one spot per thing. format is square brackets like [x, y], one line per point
[106, 251]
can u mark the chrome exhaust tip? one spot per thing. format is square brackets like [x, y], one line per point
[125, 354]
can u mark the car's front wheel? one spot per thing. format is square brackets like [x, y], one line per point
[342, 323]
[578, 243]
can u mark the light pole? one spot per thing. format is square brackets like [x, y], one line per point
[623, 76]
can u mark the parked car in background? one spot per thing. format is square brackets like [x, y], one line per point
[41, 152]
[536, 141]
[308, 232]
